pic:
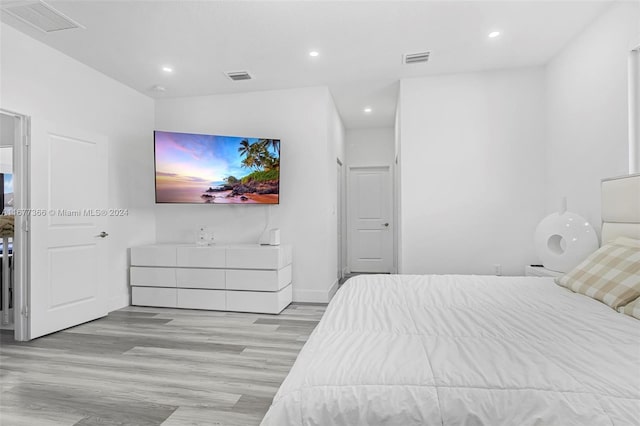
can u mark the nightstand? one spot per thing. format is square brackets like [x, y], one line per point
[539, 271]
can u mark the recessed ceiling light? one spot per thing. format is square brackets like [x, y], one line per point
[368, 110]
[167, 69]
[494, 34]
[313, 53]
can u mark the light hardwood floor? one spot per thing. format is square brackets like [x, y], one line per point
[153, 366]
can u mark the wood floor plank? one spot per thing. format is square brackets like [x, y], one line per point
[152, 366]
[113, 408]
[37, 416]
[189, 416]
[252, 405]
[180, 355]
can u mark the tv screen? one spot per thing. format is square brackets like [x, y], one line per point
[212, 169]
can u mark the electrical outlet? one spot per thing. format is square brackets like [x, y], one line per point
[497, 269]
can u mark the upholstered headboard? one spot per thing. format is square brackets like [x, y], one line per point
[621, 207]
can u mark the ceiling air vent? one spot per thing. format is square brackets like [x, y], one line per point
[415, 58]
[39, 15]
[238, 75]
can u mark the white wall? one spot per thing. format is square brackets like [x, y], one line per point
[370, 147]
[587, 111]
[45, 84]
[471, 171]
[302, 119]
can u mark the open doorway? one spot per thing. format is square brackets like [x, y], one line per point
[14, 140]
[369, 202]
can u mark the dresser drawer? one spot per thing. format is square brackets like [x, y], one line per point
[201, 257]
[268, 302]
[154, 296]
[152, 277]
[238, 279]
[200, 278]
[201, 299]
[258, 257]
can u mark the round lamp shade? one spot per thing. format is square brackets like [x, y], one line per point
[563, 240]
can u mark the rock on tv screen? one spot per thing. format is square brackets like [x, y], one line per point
[212, 169]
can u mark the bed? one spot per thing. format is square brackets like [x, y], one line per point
[469, 350]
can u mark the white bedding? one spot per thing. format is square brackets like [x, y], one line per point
[464, 350]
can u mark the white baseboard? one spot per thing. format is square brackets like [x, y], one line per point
[119, 302]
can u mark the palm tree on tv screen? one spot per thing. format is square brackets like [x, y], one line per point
[257, 154]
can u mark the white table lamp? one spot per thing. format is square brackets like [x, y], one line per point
[564, 239]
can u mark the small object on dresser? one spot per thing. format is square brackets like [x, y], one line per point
[270, 237]
[274, 237]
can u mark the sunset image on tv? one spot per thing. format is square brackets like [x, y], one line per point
[214, 169]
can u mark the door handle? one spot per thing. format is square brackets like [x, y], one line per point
[102, 234]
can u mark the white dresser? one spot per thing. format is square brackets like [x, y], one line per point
[243, 278]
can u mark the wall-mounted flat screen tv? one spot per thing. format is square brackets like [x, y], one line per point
[211, 169]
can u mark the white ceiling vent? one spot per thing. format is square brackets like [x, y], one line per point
[238, 75]
[415, 58]
[39, 15]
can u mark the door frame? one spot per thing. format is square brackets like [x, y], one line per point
[21, 239]
[349, 208]
[340, 219]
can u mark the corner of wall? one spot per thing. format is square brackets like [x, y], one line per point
[397, 190]
[587, 118]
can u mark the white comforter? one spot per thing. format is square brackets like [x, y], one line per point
[464, 350]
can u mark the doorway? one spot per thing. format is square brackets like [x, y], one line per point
[58, 248]
[14, 140]
[369, 220]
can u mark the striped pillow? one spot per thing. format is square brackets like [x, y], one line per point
[611, 274]
[631, 309]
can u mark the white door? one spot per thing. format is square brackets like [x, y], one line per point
[370, 229]
[68, 198]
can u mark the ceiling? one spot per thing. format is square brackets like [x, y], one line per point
[360, 43]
